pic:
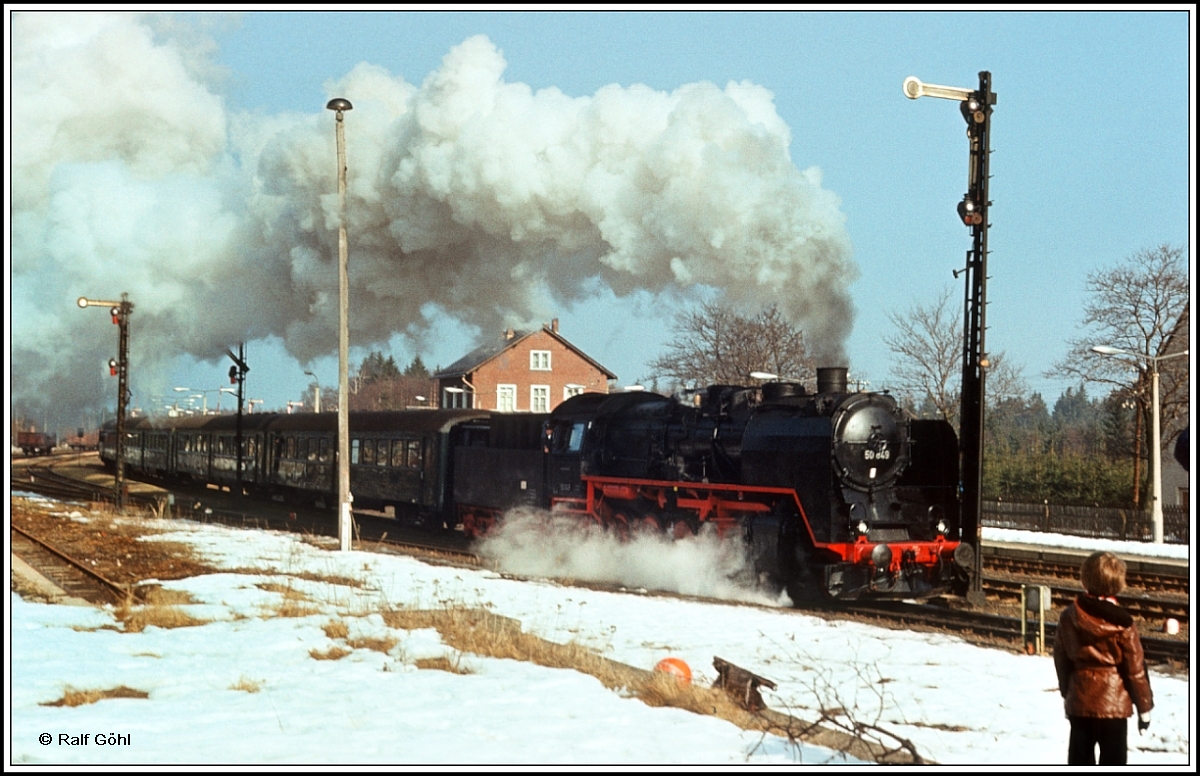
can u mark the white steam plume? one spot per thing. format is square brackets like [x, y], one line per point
[468, 194]
[535, 543]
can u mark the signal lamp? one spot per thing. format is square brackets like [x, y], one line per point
[968, 211]
[233, 375]
[112, 367]
[116, 315]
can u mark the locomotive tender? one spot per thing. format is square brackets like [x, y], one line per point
[838, 495]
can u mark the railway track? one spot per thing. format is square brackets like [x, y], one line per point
[1041, 568]
[1146, 607]
[991, 628]
[68, 573]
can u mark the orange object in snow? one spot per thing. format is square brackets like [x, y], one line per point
[675, 666]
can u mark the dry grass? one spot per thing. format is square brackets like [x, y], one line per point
[333, 653]
[247, 685]
[288, 592]
[378, 644]
[136, 619]
[73, 697]
[454, 666]
[483, 633]
[336, 629]
[291, 608]
[156, 595]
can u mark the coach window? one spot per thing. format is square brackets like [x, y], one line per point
[382, 458]
[324, 454]
[539, 361]
[301, 448]
[291, 448]
[313, 449]
[397, 453]
[368, 452]
[414, 453]
[355, 450]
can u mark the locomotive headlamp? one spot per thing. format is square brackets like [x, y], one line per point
[862, 527]
[938, 518]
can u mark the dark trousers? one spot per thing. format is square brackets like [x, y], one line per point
[1086, 732]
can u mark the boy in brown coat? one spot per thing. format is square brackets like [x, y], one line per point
[1101, 669]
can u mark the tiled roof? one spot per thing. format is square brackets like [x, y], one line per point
[484, 353]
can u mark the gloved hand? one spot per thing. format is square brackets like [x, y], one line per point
[1143, 722]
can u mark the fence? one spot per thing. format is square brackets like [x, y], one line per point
[1123, 524]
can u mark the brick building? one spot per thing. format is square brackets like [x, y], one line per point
[522, 372]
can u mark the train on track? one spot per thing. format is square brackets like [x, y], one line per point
[36, 442]
[837, 495]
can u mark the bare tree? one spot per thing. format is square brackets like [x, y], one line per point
[1139, 306]
[716, 344]
[927, 341]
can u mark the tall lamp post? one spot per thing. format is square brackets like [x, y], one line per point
[316, 391]
[1156, 513]
[120, 312]
[340, 106]
[976, 108]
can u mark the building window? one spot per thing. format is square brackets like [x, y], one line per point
[539, 398]
[506, 398]
[539, 360]
[457, 398]
[572, 389]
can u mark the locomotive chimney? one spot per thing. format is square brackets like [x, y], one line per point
[831, 379]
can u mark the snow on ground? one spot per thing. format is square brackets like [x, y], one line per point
[244, 688]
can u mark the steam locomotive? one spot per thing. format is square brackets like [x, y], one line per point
[837, 495]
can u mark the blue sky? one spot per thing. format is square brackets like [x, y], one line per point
[1091, 150]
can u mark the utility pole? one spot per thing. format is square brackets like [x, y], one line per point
[345, 517]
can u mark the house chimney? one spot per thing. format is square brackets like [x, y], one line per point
[509, 334]
[554, 325]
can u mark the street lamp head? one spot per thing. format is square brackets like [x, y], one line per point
[1108, 350]
[339, 104]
